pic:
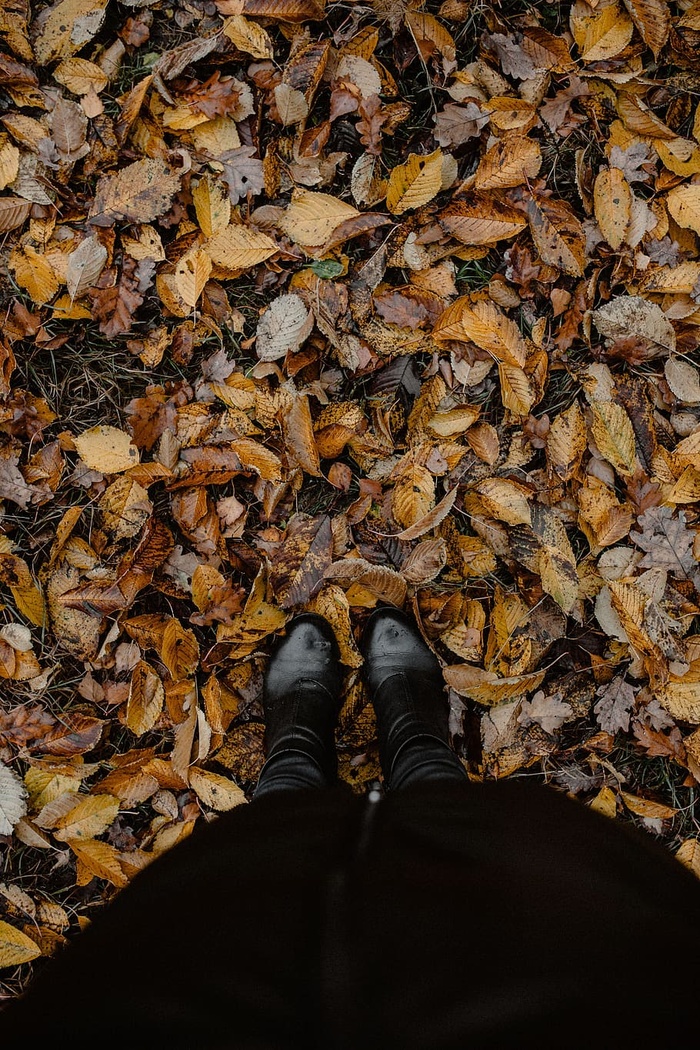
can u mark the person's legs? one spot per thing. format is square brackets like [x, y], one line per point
[301, 700]
[406, 686]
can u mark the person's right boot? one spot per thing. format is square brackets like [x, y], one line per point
[406, 687]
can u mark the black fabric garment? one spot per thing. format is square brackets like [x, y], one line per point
[443, 916]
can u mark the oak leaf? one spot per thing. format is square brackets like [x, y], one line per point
[617, 699]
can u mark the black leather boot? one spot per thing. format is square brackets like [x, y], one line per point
[407, 691]
[301, 699]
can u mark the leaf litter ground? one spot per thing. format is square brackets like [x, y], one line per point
[312, 308]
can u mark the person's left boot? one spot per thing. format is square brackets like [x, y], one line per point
[301, 695]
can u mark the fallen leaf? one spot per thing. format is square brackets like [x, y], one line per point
[215, 791]
[413, 184]
[12, 800]
[106, 449]
[285, 325]
[138, 193]
[15, 947]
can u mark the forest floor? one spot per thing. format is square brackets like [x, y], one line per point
[319, 308]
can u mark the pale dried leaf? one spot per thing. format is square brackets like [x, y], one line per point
[284, 326]
[13, 796]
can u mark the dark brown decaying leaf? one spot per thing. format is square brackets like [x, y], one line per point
[302, 559]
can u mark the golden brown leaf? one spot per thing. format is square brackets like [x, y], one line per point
[613, 205]
[614, 436]
[215, 791]
[413, 184]
[100, 859]
[488, 688]
[482, 219]
[146, 697]
[566, 442]
[653, 20]
[106, 449]
[510, 162]
[15, 947]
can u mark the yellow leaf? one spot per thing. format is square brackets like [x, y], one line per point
[145, 245]
[46, 785]
[506, 500]
[488, 688]
[215, 791]
[297, 427]
[517, 393]
[204, 579]
[482, 220]
[248, 37]
[629, 602]
[454, 422]
[679, 155]
[15, 947]
[613, 205]
[256, 457]
[179, 650]
[332, 604]
[80, 76]
[605, 803]
[511, 114]
[689, 855]
[510, 162]
[34, 273]
[139, 192]
[681, 696]
[65, 27]
[100, 859]
[311, 218]
[425, 26]
[146, 697]
[216, 136]
[679, 280]
[385, 584]
[430, 520]
[239, 247]
[484, 324]
[9, 162]
[91, 816]
[213, 207]
[192, 272]
[603, 34]
[414, 494]
[125, 508]
[684, 206]
[15, 574]
[644, 808]
[614, 436]
[558, 235]
[566, 442]
[413, 184]
[106, 449]
[686, 488]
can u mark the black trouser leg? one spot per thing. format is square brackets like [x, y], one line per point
[289, 771]
[426, 758]
[412, 732]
